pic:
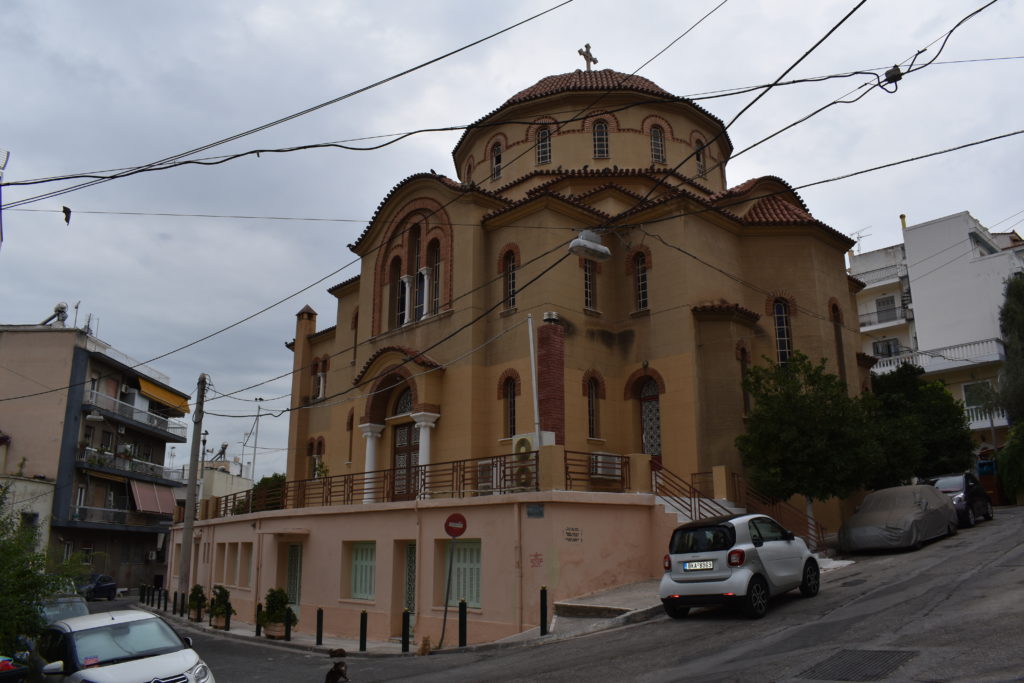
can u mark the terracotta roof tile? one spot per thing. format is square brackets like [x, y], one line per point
[775, 209]
[733, 309]
[349, 281]
[568, 199]
[411, 355]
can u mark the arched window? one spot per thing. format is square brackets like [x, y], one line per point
[593, 411]
[419, 277]
[509, 398]
[396, 286]
[837, 331]
[543, 146]
[783, 332]
[403, 405]
[701, 157]
[640, 280]
[509, 282]
[495, 161]
[657, 145]
[601, 139]
[434, 264]
[650, 418]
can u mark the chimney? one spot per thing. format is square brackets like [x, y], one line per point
[903, 220]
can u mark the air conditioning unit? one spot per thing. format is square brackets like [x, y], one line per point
[605, 466]
[125, 389]
[120, 429]
[151, 555]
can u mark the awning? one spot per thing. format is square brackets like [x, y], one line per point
[150, 497]
[163, 396]
[104, 475]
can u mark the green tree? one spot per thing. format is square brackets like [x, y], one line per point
[25, 578]
[1011, 324]
[1010, 464]
[921, 429]
[805, 434]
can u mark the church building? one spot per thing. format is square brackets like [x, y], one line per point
[537, 359]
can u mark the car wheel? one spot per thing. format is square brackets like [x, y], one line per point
[951, 531]
[811, 583]
[989, 512]
[755, 602]
[675, 611]
[970, 518]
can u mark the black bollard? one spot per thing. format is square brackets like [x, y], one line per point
[362, 631]
[543, 610]
[405, 630]
[287, 623]
[462, 623]
[227, 618]
[319, 625]
[175, 610]
[165, 599]
[259, 618]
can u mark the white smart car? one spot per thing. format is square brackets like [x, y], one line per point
[740, 559]
[114, 647]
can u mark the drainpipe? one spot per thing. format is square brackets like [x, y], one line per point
[519, 567]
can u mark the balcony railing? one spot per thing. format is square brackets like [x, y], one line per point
[91, 456]
[596, 471]
[897, 314]
[892, 272]
[983, 351]
[126, 410]
[514, 473]
[980, 418]
[96, 515]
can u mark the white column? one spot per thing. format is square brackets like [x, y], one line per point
[425, 425]
[409, 282]
[425, 272]
[371, 432]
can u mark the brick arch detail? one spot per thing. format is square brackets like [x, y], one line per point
[633, 382]
[611, 119]
[514, 248]
[509, 373]
[601, 385]
[391, 379]
[769, 302]
[538, 123]
[654, 120]
[499, 138]
[639, 249]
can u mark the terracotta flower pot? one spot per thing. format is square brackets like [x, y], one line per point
[274, 630]
[219, 621]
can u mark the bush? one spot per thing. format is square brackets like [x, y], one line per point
[1010, 464]
[221, 602]
[275, 608]
[196, 598]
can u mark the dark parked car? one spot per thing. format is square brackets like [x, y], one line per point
[899, 517]
[968, 496]
[96, 586]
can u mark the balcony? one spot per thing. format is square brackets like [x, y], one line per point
[147, 420]
[90, 457]
[118, 517]
[947, 358]
[980, 419]
[884, 274]
[885, 317]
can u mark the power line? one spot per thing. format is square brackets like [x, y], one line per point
[290, 117]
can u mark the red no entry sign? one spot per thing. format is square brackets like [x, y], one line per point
[455, 525]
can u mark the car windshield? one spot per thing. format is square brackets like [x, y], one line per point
[702, 539]
[120, 642]
[63, 608]
[949, 484]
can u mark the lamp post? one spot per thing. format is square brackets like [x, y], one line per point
[255, 443]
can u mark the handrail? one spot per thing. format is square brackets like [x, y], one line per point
[596, 471]
[788, 516]
[683, 497]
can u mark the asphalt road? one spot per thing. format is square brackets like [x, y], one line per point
[949, 612]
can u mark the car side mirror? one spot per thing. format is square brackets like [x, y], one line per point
[757, 542]
[788, 535]
[54, 668]
[188, 641]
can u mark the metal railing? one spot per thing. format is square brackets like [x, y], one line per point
[596, 471]
[94, 344]
[896, 314]
[892, 272]
[130, 412]
[97, 515]
[513, 473]
[91, 456]
[785, 514]
[684, 498]
[982, 350]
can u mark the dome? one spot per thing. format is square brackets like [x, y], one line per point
[579, 80]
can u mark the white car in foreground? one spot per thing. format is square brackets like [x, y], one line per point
[739, 560]
[116, 647]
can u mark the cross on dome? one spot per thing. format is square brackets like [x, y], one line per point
[589, 58]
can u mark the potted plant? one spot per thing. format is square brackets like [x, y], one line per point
[220, 606]
[275, 613]
[196, 603]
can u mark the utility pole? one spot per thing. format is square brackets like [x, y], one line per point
[185, 560]
[255, 442]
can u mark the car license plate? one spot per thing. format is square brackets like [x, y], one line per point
[698, 565]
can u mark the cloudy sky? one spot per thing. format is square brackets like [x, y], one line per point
[113, 84]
